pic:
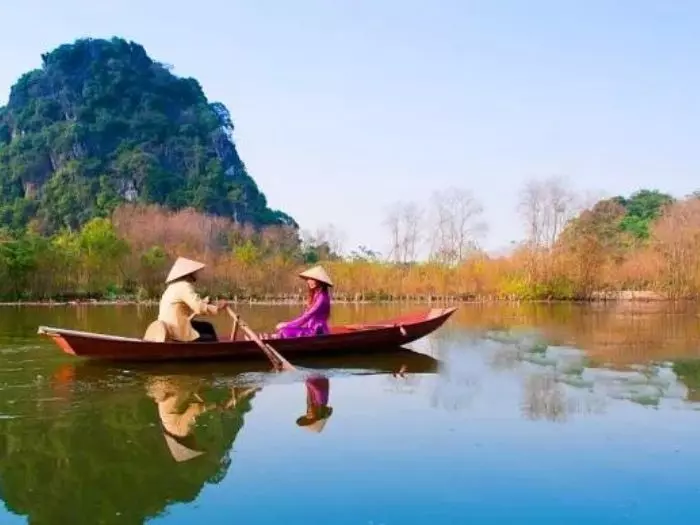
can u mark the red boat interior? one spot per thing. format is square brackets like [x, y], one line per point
[407, 319]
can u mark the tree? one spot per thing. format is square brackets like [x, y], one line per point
[403, 221]
[592, 240]
[546, 207]
[325, 244]
[102, 253]
[19, 258]
[364, 254]
[456, 224]
[676, 236]
[642, 208]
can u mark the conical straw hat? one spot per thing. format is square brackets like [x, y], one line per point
[318, 274]
[316, 426]
[183, 267]
[179, 451]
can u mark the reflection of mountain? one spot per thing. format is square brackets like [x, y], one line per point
[107, 461]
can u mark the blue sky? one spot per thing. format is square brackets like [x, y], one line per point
[344, 107]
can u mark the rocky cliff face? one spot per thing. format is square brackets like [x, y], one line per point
[100, 124]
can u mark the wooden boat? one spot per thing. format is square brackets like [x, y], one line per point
[363, 338]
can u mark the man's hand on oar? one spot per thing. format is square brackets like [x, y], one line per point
[401, 372]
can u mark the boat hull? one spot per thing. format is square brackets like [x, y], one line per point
[343, 339]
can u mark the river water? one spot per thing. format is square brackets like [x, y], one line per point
[561, 414]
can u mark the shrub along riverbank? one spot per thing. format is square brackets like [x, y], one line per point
[127, 255]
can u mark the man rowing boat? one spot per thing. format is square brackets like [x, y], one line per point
[180, 303]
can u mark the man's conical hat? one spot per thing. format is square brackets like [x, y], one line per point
[179, 451]
[183, 267]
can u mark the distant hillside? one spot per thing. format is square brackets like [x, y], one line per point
[101, 124]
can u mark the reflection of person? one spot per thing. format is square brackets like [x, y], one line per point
[180, 302]
[114, 456]
[314, 320]
[317, 409]
[177, 424]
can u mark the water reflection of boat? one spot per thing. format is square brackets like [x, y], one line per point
[388, 362]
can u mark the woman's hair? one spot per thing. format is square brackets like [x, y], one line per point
[311, 294]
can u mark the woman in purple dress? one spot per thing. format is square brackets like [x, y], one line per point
[314, 320]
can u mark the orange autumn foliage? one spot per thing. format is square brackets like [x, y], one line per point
[589, 258]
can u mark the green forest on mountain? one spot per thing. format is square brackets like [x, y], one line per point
[101, 123]
[111, 166]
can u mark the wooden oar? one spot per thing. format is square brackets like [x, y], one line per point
[278, 361]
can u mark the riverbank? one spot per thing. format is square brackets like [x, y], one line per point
[597, 297]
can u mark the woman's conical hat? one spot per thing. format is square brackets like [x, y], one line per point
[183, 267]
[315, 424]
[317, 273]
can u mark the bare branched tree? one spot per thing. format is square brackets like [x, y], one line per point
[327, 241]
[403, 221]
[456, 225]
[331, 236]
[546, 206]
[392, 222]
[677, 238]
[412, 218]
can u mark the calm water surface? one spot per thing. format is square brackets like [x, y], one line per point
[534, 414]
